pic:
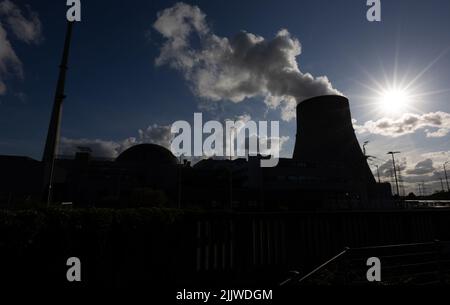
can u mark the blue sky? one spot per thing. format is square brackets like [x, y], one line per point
[115, 89]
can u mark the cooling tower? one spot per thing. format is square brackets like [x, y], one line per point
[326, 138]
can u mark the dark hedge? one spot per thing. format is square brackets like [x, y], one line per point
[116, 247]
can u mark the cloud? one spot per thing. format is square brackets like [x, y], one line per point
[287, 105]
[25, 30]
[407, 124]
[9, 62]
[413, 180]
[28, 30]
[438, 157]
[387, 169]
[427, 170]
[422, 168]
[234, 69]
[156, 134]
[273, 144]
[99, 148]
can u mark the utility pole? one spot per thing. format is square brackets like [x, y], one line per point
[446, 178]
[392, 153]
[442, 185]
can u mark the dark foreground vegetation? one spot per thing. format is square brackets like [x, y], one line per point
[116, 247]
[151, 247]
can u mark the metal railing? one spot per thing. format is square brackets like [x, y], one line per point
[416, 263]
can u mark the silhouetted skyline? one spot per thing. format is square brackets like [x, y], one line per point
[115, 91]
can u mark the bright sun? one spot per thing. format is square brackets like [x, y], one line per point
[394, 101]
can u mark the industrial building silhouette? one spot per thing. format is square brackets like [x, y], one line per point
[328, 170]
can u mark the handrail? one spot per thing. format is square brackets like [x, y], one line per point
[324, 264]
[347, 249]
[316, 269]
[394, 246]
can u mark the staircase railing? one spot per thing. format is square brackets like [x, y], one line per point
[418, 263]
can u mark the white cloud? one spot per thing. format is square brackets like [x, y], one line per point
[422, 168]
[407, 124]
[413, 170]
[9, 62]
[387, 168]
[99, 148]
[156, 134]
[28, 30]
[247, 65]
[25, 30]
[439, 157]
[274, 145]
[287, 105]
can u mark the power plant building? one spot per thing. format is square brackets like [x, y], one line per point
[328, 171]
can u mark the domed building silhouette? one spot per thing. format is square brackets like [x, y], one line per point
[88, 181]
[146, 155]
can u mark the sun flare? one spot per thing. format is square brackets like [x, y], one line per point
[394, 101]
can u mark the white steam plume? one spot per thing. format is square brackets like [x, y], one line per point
[245, 66]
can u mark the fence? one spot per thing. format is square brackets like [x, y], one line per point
[266, 245]
[133, 247]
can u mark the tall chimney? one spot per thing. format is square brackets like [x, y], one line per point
[51, 144]
[325, 136]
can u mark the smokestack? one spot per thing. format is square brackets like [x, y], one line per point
[51, 144]
[325, 135]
